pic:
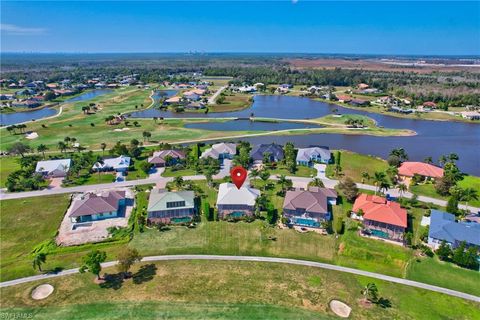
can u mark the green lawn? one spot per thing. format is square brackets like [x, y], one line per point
[445, 275]
[178, 173]
[233, 290]
[91, 178]
[24, 224]
[302, 171]
[428, 189]
[353, 164]
[233, 102]
[7, 166]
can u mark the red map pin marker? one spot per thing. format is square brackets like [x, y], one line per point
[238, 174]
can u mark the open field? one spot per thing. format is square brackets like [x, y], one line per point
[211, 237]
[364, 64]
[353, 164]
[468, 181]
[213, 284]
[233, 102]
[7, 166]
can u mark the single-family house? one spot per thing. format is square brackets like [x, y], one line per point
[165, 158]
[247, 89]
[234, 203]
[53, 168]
[192, 96]
[171, 207]
[94, 207]
[471, 115]
[381, 218]
[408, 169]
[443, 227]
[430, 104]
[309, 207]
[344, 98]
[274, 151]
[309, 156]
[359, 102]
[363, 86]
[173, 100]
[118, 164]
[220, 151]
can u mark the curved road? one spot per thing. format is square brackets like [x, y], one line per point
[262, 259]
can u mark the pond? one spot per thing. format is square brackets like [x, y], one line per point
[247, 125]
[24, 116]
[433, 139]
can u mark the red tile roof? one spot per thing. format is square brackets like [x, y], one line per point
[429, 104]
[344, 98]
[379, 209]
[410, 168]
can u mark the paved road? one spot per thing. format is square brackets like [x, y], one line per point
[212, 99]
[329, 183]
[264, 259]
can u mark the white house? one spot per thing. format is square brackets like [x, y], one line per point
[119, 164]
[53, 168]
[220, 151]
[234, 203]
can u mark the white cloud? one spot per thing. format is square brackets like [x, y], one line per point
[20, 31]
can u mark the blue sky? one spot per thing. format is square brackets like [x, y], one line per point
[378, 27]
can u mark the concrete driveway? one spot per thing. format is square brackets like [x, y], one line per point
[224, 169]
[321, 168]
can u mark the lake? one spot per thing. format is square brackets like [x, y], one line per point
[239, 125]
[7, 119]
[433, 139]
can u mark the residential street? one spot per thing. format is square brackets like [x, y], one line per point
[212, 99]
[263, 259]
[155, 179]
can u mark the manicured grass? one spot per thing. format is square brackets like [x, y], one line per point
[92, 178]
[7, 166]
[302, 171]
[468, 181]
[340, 120]
[233, 290]
[233, 102]
[353, 164]
[220, 237]
[372, 255]
[26, 223]
[178, 173]
[444, 274]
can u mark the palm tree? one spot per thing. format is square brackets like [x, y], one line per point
[365, 176]
[402, 188]
[254, 173]
[38, 260]
[178, 181]
[284, 182]
[442, 160]
[453, 157]
[103, 146]
[42, 148]
[316, 182]
[469, 194]
[264, 175]
[370, 292]
[62, 146]
[428, 160]
[378, 178]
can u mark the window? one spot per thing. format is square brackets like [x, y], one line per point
[175, 204]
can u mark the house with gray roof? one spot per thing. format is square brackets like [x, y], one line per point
[220, 151]
[274, 151]
[171, 207]
[94, 207]
[309, 156]
[118, 164]
[234, 203]
[310, 207]
[165, 158]
[53, 168]
[444, 227]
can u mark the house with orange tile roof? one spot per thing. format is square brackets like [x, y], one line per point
[381, 218]
[173, 100]
[408, 169]
[344, 98]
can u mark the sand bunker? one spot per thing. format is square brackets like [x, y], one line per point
[340, 309]
[123, 129]
[42, 291]
[31, 135]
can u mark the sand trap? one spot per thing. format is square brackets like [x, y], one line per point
[31, 135]
[340, 309]
[123, 129]
[42, 291]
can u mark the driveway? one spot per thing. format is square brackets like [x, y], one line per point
[224, 169]
[321, 168]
